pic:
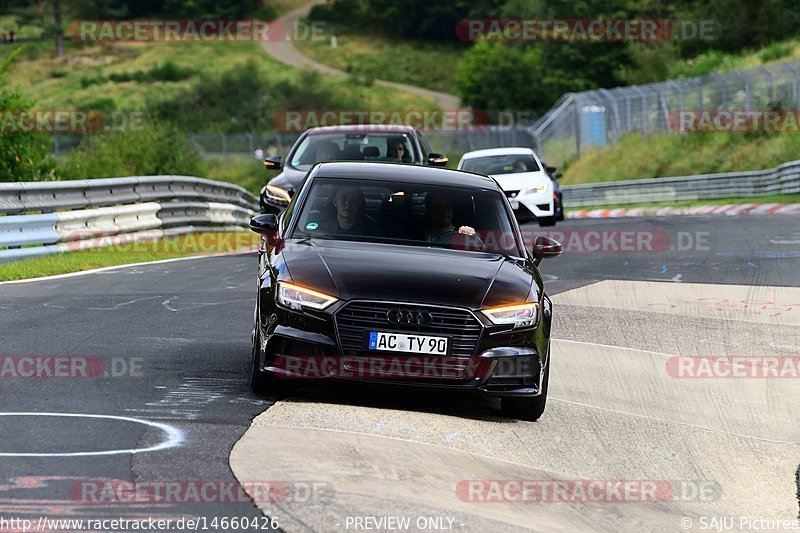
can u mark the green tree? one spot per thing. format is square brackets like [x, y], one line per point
[23, 154]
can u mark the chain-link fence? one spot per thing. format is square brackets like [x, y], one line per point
[452, 143]
[581, 121]
[226, 145]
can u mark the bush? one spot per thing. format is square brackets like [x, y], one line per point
[158, 149]
[244, 99]
[88, 81]
[775, 51]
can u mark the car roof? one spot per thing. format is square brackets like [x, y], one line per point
[498, 151]
[362, 128]
[403, 172]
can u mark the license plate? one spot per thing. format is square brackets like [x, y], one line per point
[514, 203]
[401, 342]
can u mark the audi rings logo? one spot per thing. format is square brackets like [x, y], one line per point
[406, 316]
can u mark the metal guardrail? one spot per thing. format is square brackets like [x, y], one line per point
[784, 179]
[46, 197]
[50, 217]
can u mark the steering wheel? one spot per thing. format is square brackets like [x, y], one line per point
[459, 241]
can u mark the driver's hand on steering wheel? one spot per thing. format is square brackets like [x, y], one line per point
[467, 230]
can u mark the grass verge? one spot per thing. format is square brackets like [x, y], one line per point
[125, 254]
[84, 77]
[638, 157]
[426, 64]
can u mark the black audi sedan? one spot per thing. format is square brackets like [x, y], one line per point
[373, 143]
[400, 274]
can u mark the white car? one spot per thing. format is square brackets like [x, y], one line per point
[521, 176]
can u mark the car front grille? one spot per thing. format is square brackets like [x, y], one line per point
[355, 318]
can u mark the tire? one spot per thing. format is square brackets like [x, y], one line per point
[547, 221]
[560, 211]
[529, 409]
[262, 383]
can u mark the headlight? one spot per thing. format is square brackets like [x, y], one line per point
[519, 315]
[295, 297]
[278, 193]
[537, 188]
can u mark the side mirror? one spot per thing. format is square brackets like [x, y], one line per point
[544, 248]
[273, 163]
[558, 176]
[437, 160]
[550, 170]
[264, 224]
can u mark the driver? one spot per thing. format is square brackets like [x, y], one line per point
[350, 216]
[439, 213]
[326, 151]
[520, 165]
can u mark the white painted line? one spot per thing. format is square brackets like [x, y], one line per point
[119, 267]
[174, 436]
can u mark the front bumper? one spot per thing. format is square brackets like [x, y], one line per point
[539, 205]
[307, 347]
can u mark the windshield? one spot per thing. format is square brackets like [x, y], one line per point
[342, 146]
[414, 214]
[501, 164]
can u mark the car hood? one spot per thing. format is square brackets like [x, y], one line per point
[357, 270]
[519, 181]
[289, 179]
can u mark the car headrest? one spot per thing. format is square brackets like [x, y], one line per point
[371, 151]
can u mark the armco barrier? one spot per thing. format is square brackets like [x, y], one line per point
[28, 230]
[27, 197]
[50, 217]
[784, 179]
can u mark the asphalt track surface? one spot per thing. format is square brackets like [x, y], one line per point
[613, 414]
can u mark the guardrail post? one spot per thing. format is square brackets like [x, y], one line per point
[723, 86]
[770, 85]
[746, 80]
[793, 72]
[577, 128]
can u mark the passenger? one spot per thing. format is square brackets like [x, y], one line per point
[439, 213]
[351, 218]
[520, 165]
[396, 149]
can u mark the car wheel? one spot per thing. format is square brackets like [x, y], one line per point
[547, 221]
[530, 409]
[261, 382]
